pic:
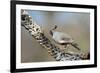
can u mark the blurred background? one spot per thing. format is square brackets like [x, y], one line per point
[77, 25]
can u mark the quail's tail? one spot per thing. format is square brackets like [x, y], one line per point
[75, 45]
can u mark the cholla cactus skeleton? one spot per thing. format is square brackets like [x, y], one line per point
[36, 32]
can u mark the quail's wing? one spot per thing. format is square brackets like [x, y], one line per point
[67, 38]
[62, 37]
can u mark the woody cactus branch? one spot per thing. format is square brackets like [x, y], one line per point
[36, 32]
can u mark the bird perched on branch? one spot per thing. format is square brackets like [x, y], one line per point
[63, 38]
